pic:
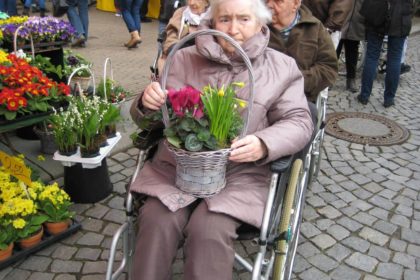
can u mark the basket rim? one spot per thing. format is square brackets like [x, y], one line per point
[175, 149]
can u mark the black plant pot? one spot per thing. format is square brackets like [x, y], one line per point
[87, 185]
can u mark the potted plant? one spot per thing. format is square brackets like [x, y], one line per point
[65, 132]
[45, 133]
[82, 77]
[55, 204]
[7, 237]
[111, 91]
[110, 117]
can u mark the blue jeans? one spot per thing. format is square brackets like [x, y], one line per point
[40, 2]
[393, 65]
[130, 10]
[78, 15]
[9, 7]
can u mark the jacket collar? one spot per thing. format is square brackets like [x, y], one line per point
[253, 47]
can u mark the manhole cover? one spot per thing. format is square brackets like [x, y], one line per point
[365, 128]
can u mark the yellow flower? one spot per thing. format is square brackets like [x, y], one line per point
[19, 223]
[41, 158]
[241, 103]
[3, 55]
[221, 91]
[239, 84]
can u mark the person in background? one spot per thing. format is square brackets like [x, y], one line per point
[78, 15]
[404, 67]
[28, 4]
[144, 9]
[297, 33]
[332, 13]
[393, 20]
[208, 226]
[9, 7]
[167, 9]
[352, 33]
[130, 10]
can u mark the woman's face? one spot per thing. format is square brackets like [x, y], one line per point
[284, 11]
[197, 6]
[235, 18]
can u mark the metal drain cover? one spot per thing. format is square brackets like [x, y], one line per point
[365, 128]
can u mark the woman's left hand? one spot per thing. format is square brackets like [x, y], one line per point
[248, 149]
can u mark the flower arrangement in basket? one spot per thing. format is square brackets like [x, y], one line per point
[202, 127]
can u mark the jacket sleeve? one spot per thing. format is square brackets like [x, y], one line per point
[338, 14]
[324, 70]
[291, 123]
[172, 30]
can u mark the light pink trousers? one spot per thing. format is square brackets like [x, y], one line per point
[208, 248]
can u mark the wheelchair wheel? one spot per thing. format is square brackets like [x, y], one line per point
[316, 156]
[289, 227]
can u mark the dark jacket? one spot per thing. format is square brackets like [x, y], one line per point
[354, 28]
[398, 23]
[167, 9]
[332, 13]
[311, 46]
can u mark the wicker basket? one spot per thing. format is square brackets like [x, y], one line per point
[202, 174]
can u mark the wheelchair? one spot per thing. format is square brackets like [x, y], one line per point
[277, 239]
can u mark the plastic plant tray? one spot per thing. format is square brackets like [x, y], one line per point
[47, 240]
[88, 162]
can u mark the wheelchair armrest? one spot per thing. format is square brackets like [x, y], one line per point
[282, 164]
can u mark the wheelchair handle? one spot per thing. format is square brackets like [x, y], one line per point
[239, 49]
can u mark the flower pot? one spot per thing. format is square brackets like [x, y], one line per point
[55, 228]
[32, 240]
[6, 253]
[48, 145]
[68, 152]
[90, 152]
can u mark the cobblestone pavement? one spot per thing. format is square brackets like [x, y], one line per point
[362, 215]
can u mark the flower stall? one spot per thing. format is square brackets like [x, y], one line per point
[33, 215]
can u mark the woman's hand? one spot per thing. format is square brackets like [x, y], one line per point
[248, 149]
[153, 96]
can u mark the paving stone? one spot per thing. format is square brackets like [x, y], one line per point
[71, 240]
[323, 224]
[307, 250]
[349, 185]
[364, 218]
[410, 236]
[404, 260]
[91, 239]
[313, 274]
[356, 243]
[389, 270]
[91, 224]
[411, 275]
[115, 168]
[379, 253]
[80, 208]
[4, 272]
[343, 272]
[309, 230]
[339, 203]
[117, 203]
[41, 276]
[98, 211]
[362, 194]
[362, 262]
[64, 252]
[309, 213]
[327, 197]
[88, 254]
[400, 220]
[381, 202]
[94, 267]
[120, 157]
[402, 199]
[18, 274]
[373, 187]
[110, 229]
[385, 227]
[323, 241]
[329, 212]
[389, 194]
[374, 236]
[338, 232]
[399, 245]
[65, 277]
[360, 179]
[323, 262]
[404, 210]
[350, 224]
[36, 263]
[116, 216]
[334, 188]
[300, 264]
[116, 177]
[338, 252]
[61, 266]
[379, 213]
[395, 186]
[347, 196]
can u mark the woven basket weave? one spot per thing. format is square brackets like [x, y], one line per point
[202, 174]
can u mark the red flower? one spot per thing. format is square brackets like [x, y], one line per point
[12, 105]
[186, 100]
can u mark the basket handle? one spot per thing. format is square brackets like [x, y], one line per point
[108, 61]
[244, 56]
[91, 75]
[15, 37]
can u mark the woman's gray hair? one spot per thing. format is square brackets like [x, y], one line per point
[261, 11]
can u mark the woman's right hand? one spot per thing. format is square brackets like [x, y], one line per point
[153, 96]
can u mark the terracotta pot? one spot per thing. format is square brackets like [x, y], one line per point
[55, 228]
[6, 253]
[31, 240]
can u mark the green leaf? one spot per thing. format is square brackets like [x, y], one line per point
[169, 132]
[10, 115]
[203, 135]
[187, 124]
[192, 143]
[175, 141]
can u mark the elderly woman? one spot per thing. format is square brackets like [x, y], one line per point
[280, 125]
[297, 33]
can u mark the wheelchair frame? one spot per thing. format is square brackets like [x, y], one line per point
[279, 233]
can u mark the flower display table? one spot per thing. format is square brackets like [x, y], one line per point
[86, 180]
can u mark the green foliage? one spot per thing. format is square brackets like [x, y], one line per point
[56, 213]
[45, 65]
[33, 225]
[7, 235]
